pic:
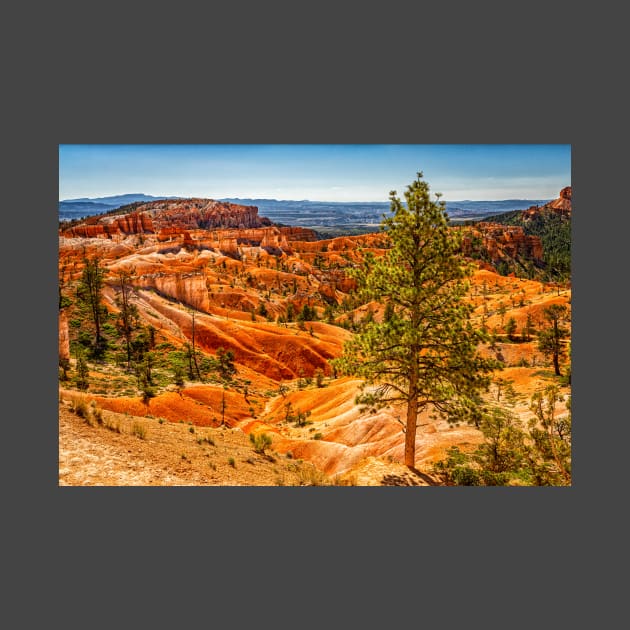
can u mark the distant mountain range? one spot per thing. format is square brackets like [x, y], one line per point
[117, 200]
[320, 215]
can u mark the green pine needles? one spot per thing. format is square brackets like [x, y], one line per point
[424, 352]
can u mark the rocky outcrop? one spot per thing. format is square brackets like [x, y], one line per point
[501, 242]
[337, 280]
[228, 246]
[204, 214]
[561, 205]
[64, 337]
[298, 234]
[188, 288]
[274, 243]
[89, 231]
[134, 223]
[171, 216]
[170, 233]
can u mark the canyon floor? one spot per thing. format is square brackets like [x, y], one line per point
[240, 290]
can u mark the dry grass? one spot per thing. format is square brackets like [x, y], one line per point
[112, 454]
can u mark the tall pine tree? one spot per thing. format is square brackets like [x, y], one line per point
[424, 354]
[89, 293]
[128, 315]
[550, 339]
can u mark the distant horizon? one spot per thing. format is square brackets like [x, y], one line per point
[174, 197]
[316, 172]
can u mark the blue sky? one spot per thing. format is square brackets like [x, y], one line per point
[317, 172]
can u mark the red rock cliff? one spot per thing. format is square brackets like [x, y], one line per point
[170, 217]
[561, 205]
[64, 336]
[501, 241]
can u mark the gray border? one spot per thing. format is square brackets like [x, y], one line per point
[489, 555]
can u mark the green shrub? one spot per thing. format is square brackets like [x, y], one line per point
[301, 419]
[261, 442]
[319, 377]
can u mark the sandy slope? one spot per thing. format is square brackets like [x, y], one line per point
[168, 455]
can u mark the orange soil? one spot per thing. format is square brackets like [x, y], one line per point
[267, 354]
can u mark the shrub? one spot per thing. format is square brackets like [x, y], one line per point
[231, 462]
[80, 407]
[113, 426]
[138, 430]
[82, 373]
[319, 377]
[309, 476]
[302, 418]
[456, 470]
[261, 442]
[96, 413]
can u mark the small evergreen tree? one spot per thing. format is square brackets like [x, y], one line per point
[528, 328]
[510, 328]
[550, 339]
[290, 312]
[319, 377]
[82, 374]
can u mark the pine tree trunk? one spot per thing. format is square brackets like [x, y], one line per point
[556, 364]
[194, 353]
[556, 347]
[412, 420]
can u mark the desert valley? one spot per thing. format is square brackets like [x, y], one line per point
[196, 341]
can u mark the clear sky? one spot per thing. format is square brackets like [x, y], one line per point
[318, 172]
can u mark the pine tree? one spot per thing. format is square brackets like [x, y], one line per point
[193, 350]
[550, 455]
[510, 328]
[82, 376]
[89, 292]
[528, 328]
[550, 339]
[290, 312]
[426, 354]
[128, 316]
[225, 364]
